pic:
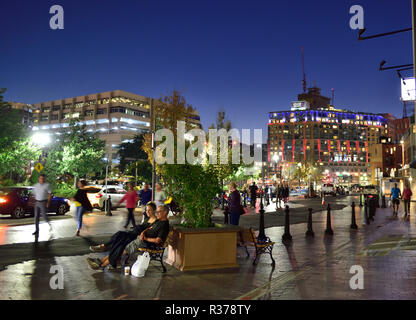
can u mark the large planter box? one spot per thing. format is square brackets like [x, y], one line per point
[208, 248]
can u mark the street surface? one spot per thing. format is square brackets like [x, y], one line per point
[315, 268]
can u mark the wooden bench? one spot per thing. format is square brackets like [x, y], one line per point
[248, 238]
[156, 254]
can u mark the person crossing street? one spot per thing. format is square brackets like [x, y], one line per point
[43, 195]
[395, 195]
[131, 198]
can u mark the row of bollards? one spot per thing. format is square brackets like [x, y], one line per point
[369, 212]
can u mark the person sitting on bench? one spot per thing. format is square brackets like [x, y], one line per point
[120, 240]
[152, 237]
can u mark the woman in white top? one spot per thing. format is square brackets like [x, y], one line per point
[160, 195]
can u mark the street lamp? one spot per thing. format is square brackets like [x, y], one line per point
[42, 139]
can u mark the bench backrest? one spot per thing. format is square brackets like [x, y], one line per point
[168, 238]
[248, 235]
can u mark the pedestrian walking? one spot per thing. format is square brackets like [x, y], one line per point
[131, 199]
[43, 195]
[160, 195]
[286, 192]
[266, 194]
[272, 192]
[395, 195]
[235, 209]
[253, 194]
[407, 195]
[279, 195]
[145, 196]
[82, 204]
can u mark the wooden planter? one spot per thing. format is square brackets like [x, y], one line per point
[208, 248]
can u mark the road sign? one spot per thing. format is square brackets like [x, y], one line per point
[38, 167]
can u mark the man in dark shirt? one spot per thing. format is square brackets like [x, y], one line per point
[145, 195]
[153, 236]
[253, 194]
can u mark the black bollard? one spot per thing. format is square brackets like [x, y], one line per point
[287, 236]
[367, 220]
[353, 222]
[108, 207]
[383, 201]
[309, 232]
[361, 200]
[372, 207]
[328, 230]
[225, 216]
[262, 235]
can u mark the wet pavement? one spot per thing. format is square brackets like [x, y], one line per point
[317, 268]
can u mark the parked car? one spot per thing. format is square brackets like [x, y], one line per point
[92, 192]
[19, 201]
[115, 194]
[356, 188]
[328, 188]
[370, 190]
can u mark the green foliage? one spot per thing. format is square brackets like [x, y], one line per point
[7, 182]
[64, 190]
[132, 154]
[77, 153]
[11, 128]
[16, 150]
[193, 187]
[18, 156]
[144, 171]
[34, 178]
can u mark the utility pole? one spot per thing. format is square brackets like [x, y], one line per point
[303, 71]
[414, 40]
[152, 132]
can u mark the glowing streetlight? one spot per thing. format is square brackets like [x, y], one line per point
[41, 139]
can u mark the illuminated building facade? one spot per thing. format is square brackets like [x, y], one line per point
[116, 115]
[25, 113]
[337, 140]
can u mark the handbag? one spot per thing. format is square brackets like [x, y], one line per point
[140, 266]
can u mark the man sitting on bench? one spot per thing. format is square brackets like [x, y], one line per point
[150, 238]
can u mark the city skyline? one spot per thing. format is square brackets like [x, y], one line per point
[241, 59]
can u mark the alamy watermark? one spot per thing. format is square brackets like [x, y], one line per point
[57, 280]
[357, 20]
[57, 20]
[357, 280]
[204, 147]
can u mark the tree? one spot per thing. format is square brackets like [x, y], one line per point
[193, 187]
[16, 149]
[19, 155]
[11, 128]
[131, 152]
[168, 111]
[225, 171]
[221, 121]
[77, 152]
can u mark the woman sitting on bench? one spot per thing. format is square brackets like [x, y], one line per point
[120, 240]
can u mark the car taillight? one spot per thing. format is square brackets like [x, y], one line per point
[98, 196]
[3, 200]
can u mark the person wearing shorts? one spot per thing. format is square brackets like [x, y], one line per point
[395, 195]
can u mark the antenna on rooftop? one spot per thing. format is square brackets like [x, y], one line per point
[303, 71]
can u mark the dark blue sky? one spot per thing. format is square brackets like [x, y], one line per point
[242, 56]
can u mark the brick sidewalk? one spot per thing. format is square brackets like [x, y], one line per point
[315, 268]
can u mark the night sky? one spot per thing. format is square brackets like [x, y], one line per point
[242, 56]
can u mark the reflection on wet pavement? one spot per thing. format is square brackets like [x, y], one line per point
[307, 268]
